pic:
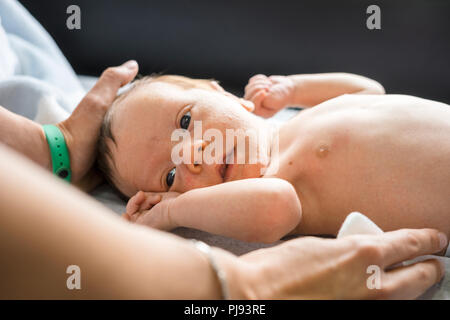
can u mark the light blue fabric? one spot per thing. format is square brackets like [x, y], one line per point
[36, 80]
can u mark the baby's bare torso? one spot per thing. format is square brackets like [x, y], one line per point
[385, 156]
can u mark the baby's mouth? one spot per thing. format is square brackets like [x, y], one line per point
[223, 170]
[228, 161]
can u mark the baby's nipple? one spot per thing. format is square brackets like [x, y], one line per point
[322, 150]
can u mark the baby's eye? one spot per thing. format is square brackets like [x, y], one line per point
[171, 177]
[185, 120]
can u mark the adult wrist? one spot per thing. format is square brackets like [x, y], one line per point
[224, 277]
[238, 275]
[45, 160]
[59, 152]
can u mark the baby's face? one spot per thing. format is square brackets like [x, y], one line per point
[143, 124]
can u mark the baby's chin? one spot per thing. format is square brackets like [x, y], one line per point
[243, 171]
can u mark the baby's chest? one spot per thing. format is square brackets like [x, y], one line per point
[325, 165]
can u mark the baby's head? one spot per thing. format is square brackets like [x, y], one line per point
[135, 146]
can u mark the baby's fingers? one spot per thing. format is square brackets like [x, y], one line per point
[257, 77]
[150, 201]
[258, 98]
[258, 82]
[135, 202]
[252, 90]
[277, 79]
[254, 87]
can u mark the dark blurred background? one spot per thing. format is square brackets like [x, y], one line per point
[233, 40]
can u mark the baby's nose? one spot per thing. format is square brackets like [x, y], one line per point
[196, 161]
[197, 148]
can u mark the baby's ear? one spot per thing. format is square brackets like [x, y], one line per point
[216, 86]
[247, 104]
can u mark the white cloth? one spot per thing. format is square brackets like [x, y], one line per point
[36, 80]
[357, 223]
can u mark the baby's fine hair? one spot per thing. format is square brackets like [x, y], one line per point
[105, 160]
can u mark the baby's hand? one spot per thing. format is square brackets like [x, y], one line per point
[269, 94]
[151, 209]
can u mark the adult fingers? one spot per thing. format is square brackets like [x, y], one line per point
[406, 244]
[411, 281]
[105, 90]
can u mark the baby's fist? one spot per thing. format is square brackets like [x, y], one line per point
[151, 209]
[269, 94]
[140, 202]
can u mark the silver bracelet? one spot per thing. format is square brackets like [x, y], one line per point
[221, 276]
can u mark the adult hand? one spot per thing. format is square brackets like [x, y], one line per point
[314, 268]
[82, 128]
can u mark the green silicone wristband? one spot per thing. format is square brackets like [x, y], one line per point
[58, 151]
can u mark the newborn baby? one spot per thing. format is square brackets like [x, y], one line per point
[353, 149]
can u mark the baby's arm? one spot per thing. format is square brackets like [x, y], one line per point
[253, 210]
[271, 94]
[313, 89]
